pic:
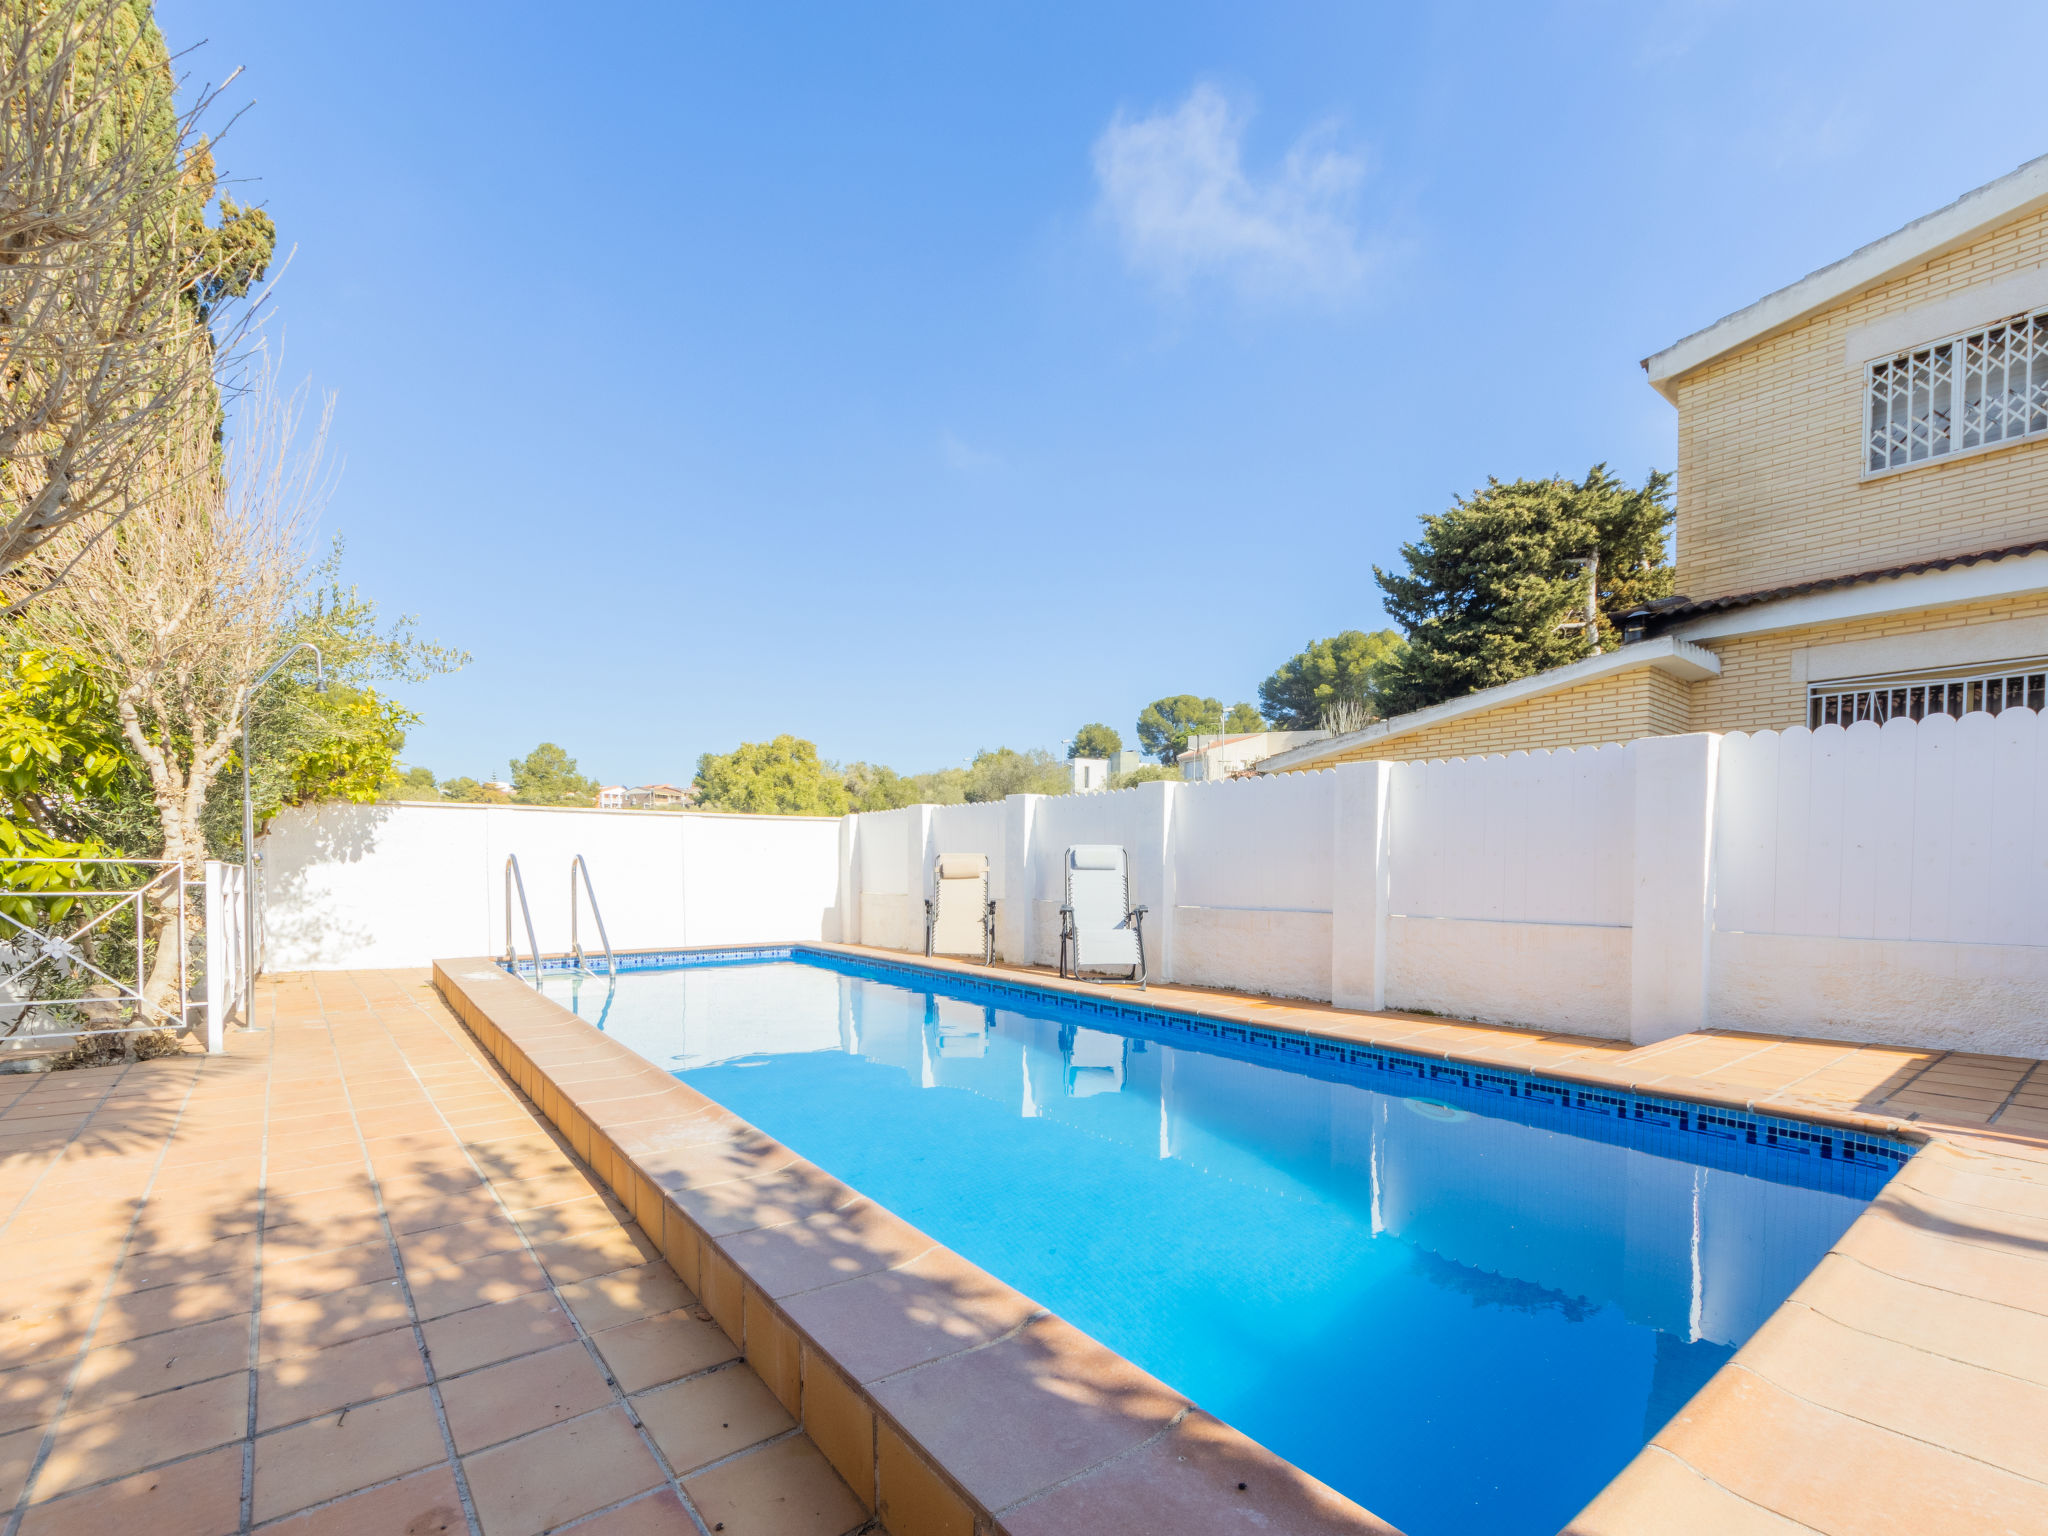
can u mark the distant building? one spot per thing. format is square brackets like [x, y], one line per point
[1218, 757]
[500, 786]
[1093, 773]
[612, 798]
[653, 796]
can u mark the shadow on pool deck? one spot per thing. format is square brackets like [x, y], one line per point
[342, 1279]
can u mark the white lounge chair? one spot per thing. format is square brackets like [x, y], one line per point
[959, 917]
[1098, 925]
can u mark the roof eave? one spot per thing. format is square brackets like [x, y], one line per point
[1667, 653]
[2015, 195]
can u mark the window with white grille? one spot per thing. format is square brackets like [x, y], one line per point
[2019, 685]
[1973, 391]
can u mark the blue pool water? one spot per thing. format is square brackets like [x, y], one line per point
[1442, 1299]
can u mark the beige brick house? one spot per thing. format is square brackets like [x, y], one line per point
[1862, 508]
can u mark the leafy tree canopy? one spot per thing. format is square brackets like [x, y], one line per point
[992, 775]
[414, 783]
[470, 792]
[1344, 669]
[1165, 725]
[872, 787]
[1095, 741]
[783, 777]
[547, 776]
[1242, 720]
[1143, 775]
[1492, 585]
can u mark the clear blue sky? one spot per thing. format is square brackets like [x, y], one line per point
[920, 379]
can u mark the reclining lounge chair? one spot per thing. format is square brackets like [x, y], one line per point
[959, 917]
[1098, 925]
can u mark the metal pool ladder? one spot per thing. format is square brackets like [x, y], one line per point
[611, 965]
[515, 881]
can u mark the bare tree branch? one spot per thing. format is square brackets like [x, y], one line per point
[104, 326]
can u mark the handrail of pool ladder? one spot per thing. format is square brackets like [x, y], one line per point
[611, 964]
[514, 879]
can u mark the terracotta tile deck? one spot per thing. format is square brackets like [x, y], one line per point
[341, 1279]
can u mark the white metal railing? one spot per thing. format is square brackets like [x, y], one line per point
[516, 882]
[611, 966]
[43, 970]
[2023, 685]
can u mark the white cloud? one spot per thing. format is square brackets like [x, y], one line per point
[1175, 189]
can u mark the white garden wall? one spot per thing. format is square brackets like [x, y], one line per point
[1510, 887]
[1885, 884]
[1880, 884]
[1890, 882]
[401, 885]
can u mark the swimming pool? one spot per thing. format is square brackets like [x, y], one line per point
[1465, 1300]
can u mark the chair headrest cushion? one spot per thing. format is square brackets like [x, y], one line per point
[962, 866]
[1095, 856]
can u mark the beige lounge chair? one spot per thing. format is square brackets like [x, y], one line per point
[959, 917]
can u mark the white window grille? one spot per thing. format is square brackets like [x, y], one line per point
[1972, 391]
[2020, 685]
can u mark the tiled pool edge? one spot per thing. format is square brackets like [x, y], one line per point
[730, 1208]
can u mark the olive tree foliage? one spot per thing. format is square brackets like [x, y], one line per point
[1330, 684]
[111, 279]
[1165, 725]
[1495, 589]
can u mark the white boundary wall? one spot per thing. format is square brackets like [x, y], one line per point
[1886, 884]
[400, 885]
[1876, 883]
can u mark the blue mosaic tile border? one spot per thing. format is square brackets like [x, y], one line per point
[657, 959]
[1809, 1153]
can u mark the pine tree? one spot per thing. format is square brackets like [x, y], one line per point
[1495, 588]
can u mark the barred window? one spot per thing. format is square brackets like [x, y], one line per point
[2018, 685]
[1972, 391]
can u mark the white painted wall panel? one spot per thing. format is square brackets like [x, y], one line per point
[401, 885]
[1935, 832]
[1533, 837]
[1261, 845]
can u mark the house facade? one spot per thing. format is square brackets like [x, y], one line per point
[1221, 757]
[1862, 509]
